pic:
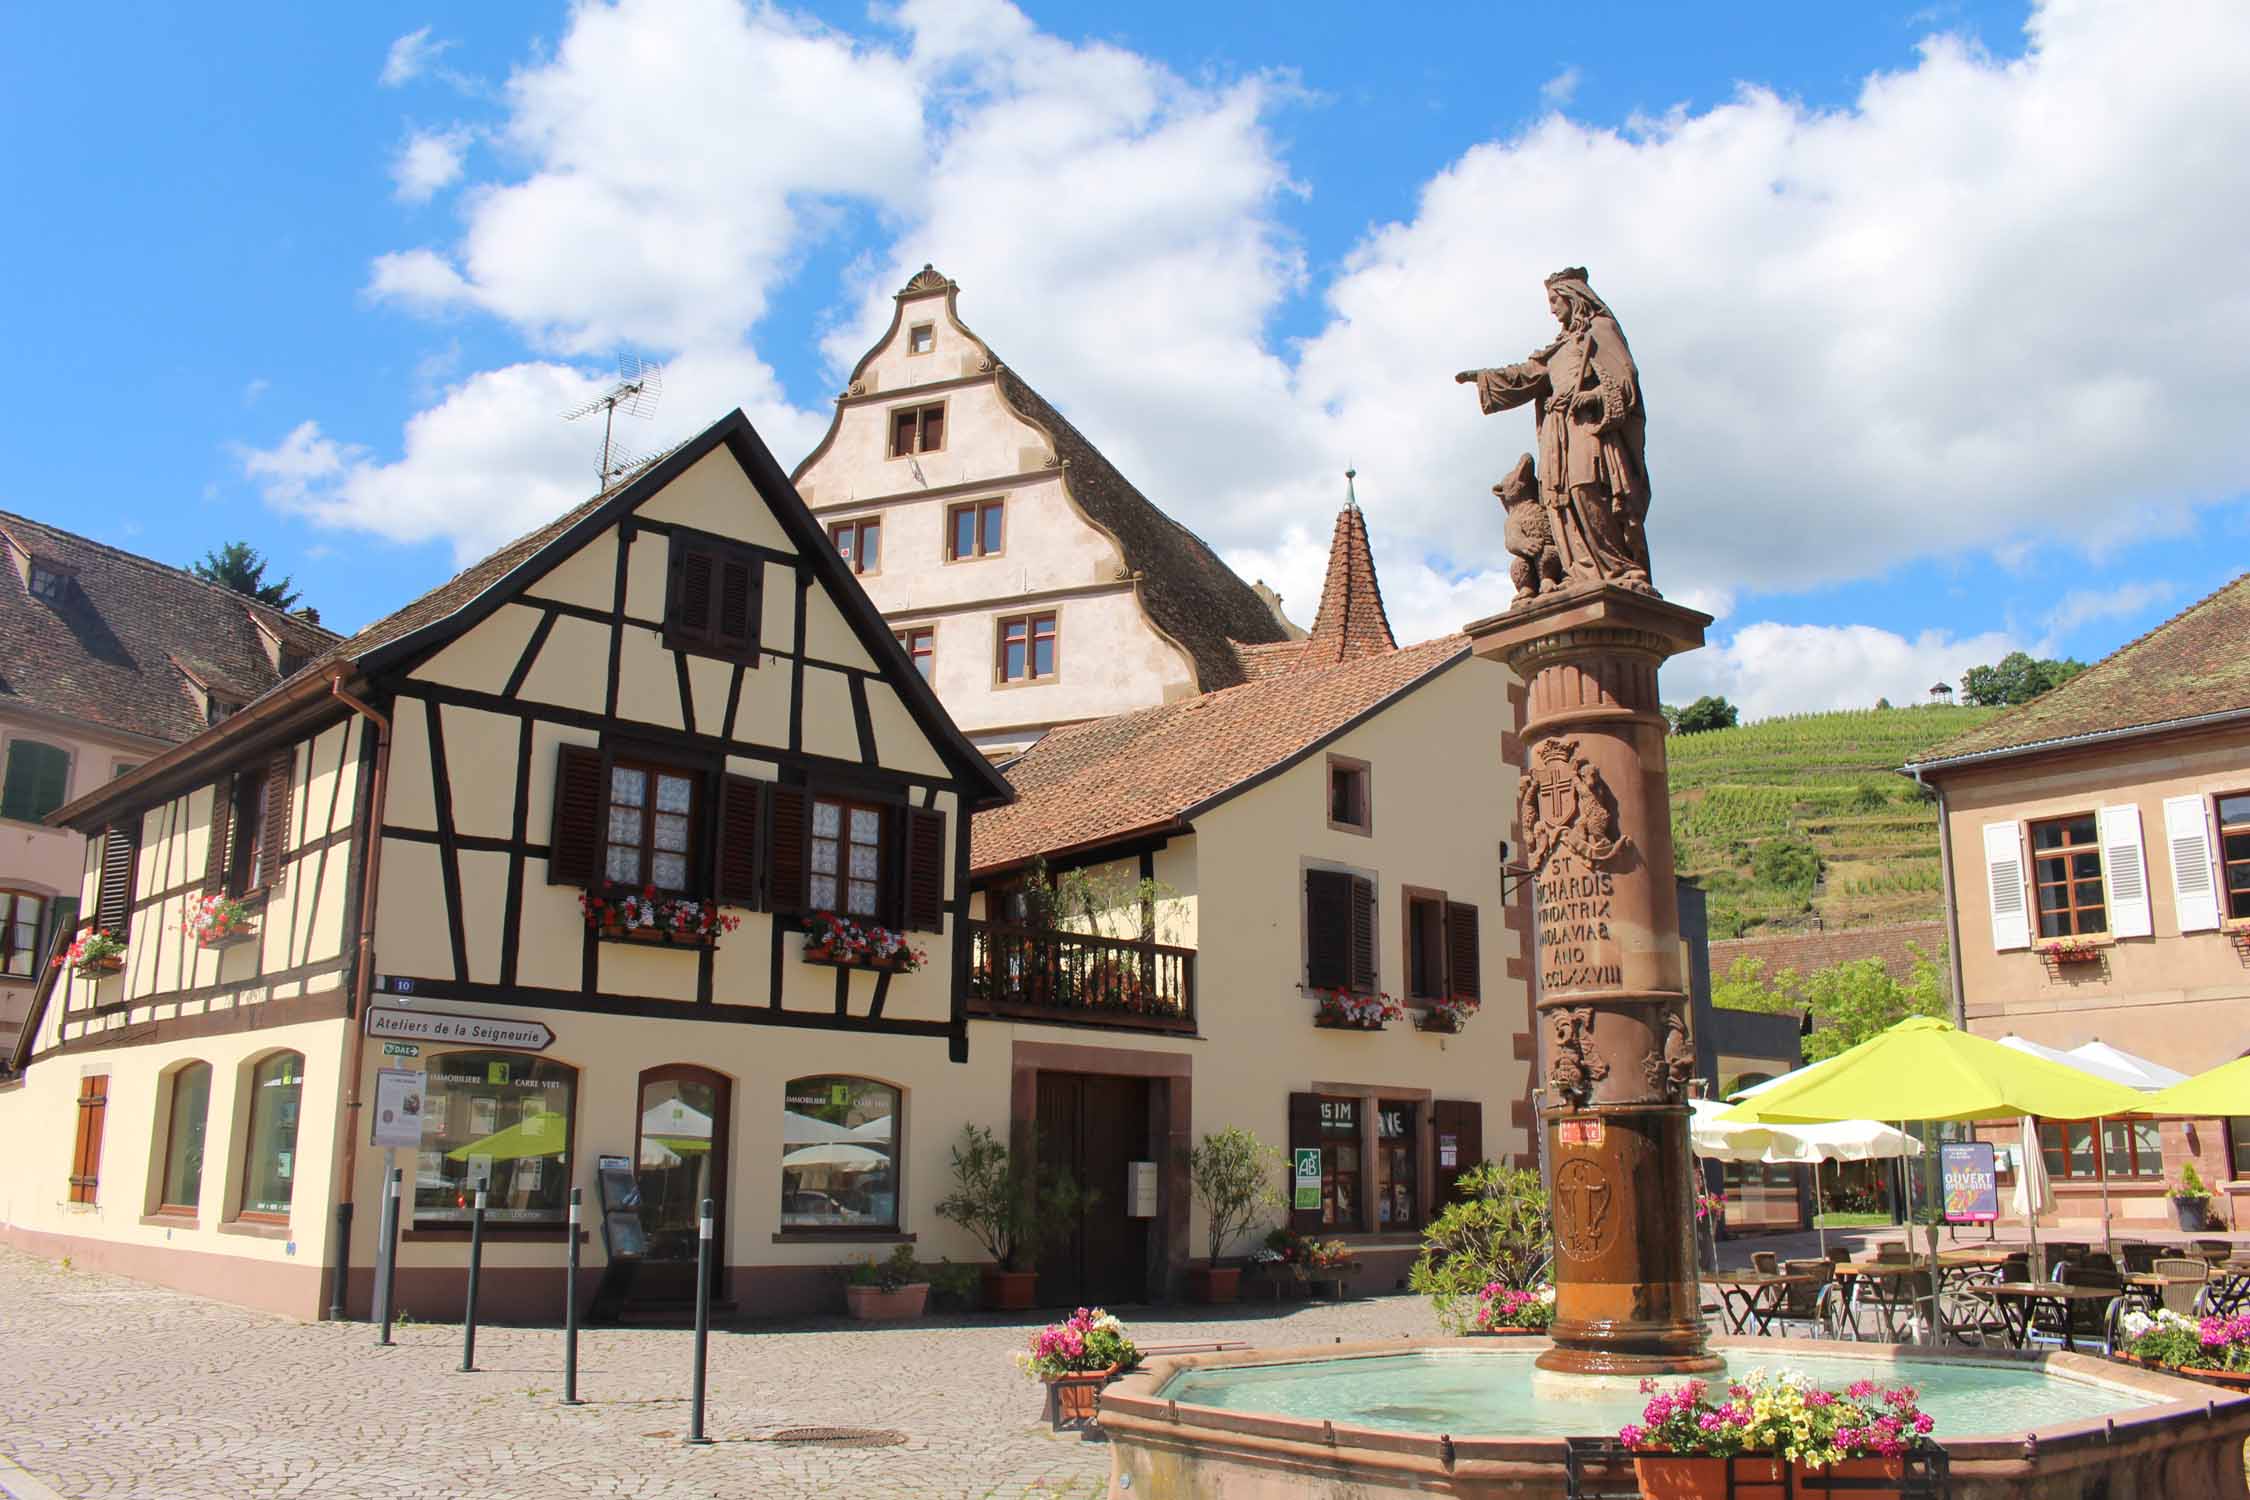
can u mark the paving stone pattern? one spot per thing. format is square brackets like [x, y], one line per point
[110, 1389]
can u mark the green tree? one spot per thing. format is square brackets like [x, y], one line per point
[1707, 712]
[241, 567]
[1786, 864]
[1850, 1002]
[2016, 678]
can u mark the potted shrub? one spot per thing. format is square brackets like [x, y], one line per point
[2191, 1200]
[1514, 1312]
[1779, 1431]
[1234, 1174]
[93, 953]
[879, 1291]
[1013, 1209]
[1075, 1359]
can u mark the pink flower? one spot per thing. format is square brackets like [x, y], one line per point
[1860, 1390]
[1631, 1436]
[1819, 1398]
[1922, 1422]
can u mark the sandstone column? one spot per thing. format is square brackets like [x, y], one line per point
[1594, 817]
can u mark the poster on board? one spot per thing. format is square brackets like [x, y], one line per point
[398, 1108]
[1972, 1182]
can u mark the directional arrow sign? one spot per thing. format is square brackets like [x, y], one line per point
[451, 1026]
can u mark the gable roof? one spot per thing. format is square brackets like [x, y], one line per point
[476, 592]
[2191, 668]
[133, 641]
[1157, 769]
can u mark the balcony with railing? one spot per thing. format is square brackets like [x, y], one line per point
[1045, 974]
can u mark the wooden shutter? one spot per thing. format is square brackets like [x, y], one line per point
[1328, 930]
[86, 1151]
[2195, 894]
[222, 827]
[113, 900]
[790, 808]
[2003, 867]
[1304, 1135]
[741, 800]
[1460, 1121]
[273, 838]
[736, 627]
[574, 841]
[1463, 963]
[2124, 870]
[688, 611]
[1363, 935]
[925, 870]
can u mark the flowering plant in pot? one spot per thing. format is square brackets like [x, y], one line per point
[2214, 1349]
[1013, 1208]
[2072, 950]
[217, 920]
[1451, 1013]
[1503, 1309]
[1076, 1358]
[1341, 1010]
[1770, 1425]
[1234, 1175]
[93, 953]
[886, 1290]
[2191, 1200]
[830, 938]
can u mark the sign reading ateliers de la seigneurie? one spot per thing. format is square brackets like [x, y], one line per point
[447, 1026]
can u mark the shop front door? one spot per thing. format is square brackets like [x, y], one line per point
[1092, 1125]
[680, 1147]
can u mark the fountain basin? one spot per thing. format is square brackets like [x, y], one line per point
[1460, 1417]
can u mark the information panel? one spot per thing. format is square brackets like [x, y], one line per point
[1972, 1184]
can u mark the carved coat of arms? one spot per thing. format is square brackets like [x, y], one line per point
[1562, 803]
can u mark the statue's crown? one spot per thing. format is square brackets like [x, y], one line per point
[1567, 273]
[1552, 751]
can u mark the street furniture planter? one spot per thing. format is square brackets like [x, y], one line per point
[1009, 1291]
[1074, 1400]
[871, 1304]
[1214, 1284]
[1673, 1476]
[1864, 1475]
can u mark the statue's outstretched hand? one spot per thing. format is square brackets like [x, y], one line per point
[1465, 377]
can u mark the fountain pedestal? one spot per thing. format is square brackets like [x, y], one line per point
[1616, 1049]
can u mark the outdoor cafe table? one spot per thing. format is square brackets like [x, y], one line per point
[1889, 1286]
[2019, 1302]
[1754, 1297]
[2147, 1288]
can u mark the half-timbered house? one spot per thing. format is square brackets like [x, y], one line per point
[552, 861]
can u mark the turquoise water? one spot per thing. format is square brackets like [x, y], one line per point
[1467, 1392]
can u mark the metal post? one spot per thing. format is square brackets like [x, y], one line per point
[476, 1263]
[702, 1320]
[338, 1289]
[570, 1306]
[386, 1256]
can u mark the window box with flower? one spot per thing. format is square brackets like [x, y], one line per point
[841, 943]
[1450, 1014]
[2212, 1349]
[92, 954]
[1771, 1436]
[2080, 949]
[1075, 1359]
[219, 921]
[652, 916]
[1341, 1010]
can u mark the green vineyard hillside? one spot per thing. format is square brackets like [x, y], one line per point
[1792, 817]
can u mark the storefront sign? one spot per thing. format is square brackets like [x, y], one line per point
[398, 1109]
[1580, 1132]
[1308, 1179]
[1972, 1182]
[446, 1026]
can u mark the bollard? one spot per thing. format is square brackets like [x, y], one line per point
[570, 1306]
[386, 1259]
[702, 1319]
[476, 1263]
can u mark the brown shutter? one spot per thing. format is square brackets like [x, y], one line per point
[736, 882]
[1464, 968]
[574, 843]
[1328, 930]
[1462, 1122]
[1304, 1135]
[737, 625]
[925, 870]
[273, 839]
[86, 1151]
[1363, 935]
[785, 885]
[222, 825]
[113, 899]
[687, 615]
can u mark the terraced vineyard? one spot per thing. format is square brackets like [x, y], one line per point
[1788, 817]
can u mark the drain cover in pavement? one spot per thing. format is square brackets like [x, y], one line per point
[838, 1437]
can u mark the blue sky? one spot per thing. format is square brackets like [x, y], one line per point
[1937, 367]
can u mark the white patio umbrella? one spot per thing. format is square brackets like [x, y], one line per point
[2032, 1196]
[809, 1130]
[2116, 1066]
[1794, 1145]
[838, 1154]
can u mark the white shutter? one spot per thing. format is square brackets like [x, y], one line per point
[2125, 871]
[2003, 867]
[2195, 894]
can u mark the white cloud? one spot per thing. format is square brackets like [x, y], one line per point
[253, 388]
[421, 279]
[410, 57]
[1560, 89]
[428, 163]
[2082, 607]
[1767, 669]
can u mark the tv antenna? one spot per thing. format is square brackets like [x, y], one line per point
[640, 384]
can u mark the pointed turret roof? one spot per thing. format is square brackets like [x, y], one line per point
[1351, 622]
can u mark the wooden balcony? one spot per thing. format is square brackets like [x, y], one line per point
[1041, 974]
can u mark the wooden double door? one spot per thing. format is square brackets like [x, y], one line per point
[1093, 1125]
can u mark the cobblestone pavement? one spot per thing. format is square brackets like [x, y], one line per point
[112, 1388]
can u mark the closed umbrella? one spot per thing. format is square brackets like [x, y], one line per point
[2032, 1195]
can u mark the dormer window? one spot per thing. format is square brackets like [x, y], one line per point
[47, 583]
[217, 708]
[921, 338]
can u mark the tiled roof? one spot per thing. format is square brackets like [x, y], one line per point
[1268, 659]
[1192, 596]
[2193, 664]
[1086, 784]
[1807, 952]
[1351, 621]
[119, 648]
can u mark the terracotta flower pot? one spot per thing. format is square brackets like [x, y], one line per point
[1214, 1283]
[1077, 1396]
[1812, 1481]
[1671, 1476]
[871, 1304]
[1009, 1291]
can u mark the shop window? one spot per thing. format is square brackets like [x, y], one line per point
[37, 781]
[181, 1190]
[1397, 1196]
[500, 1121]
[839, 1154]
[712, 599]
[2066, 868]
[86, 1149]
[2234, 852]
[680, 1155]
[20, 912]
[1027, 648]
[973, 530]
[920, 642]
[917, 429]
[269, 1168]
[1341, 1174]
[859, 543]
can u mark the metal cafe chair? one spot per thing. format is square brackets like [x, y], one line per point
[1807, 1302]
[1765, 1263]
[2139, 1255]
[2184, 1281]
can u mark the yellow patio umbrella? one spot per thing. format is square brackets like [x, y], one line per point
[1926, 1069]
[2225, 1090]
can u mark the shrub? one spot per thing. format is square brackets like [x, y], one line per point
[1235, 1176]
[889, 1275]
[1497, 1231]
[1787, 864]
[2191, 1188]
[1002, 1197]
